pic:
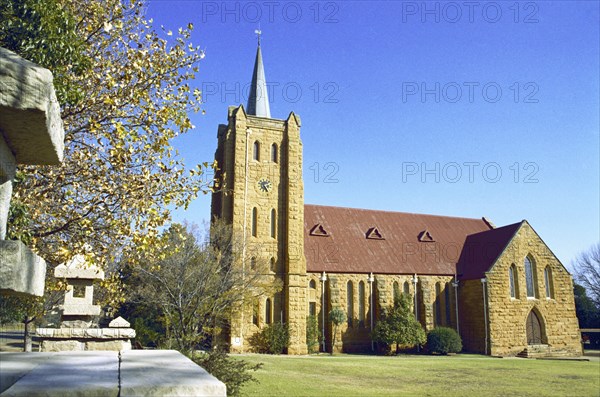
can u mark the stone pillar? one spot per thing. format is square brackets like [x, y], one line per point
[31, 132]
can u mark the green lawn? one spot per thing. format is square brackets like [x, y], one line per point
[461, 375]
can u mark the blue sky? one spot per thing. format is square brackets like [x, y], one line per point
[464, 109]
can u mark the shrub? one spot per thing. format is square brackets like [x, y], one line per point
[272, 339]
[312, 334]
[443, 340]
[233, 372]
[398, 326]
[337, 318]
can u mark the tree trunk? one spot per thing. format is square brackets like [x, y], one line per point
[27, 342]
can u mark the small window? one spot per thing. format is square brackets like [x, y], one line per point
[268, 311]
[312, 309]
[312, 284]
[274, 153]
[273, 265]
[406, 288]
[273, 223]
[350, 302]
[256, 151]
[396, 290]
[253, 263]
[254, 222]
[255, 313]
[530, 277]
[548, 282]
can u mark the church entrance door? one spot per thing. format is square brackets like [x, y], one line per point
[534, 329]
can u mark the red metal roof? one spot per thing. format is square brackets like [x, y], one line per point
[481, 250]
[353, 240]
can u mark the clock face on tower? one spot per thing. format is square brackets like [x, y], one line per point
[265, 185]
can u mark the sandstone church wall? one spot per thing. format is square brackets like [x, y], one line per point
[555, 309]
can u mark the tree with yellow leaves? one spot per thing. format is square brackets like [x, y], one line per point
[124, 92]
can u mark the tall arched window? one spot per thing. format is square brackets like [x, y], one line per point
[512, 281]
[256, 151]
[350, 302]
[548, 282]
[396, 290]
[407, 288]
[273, 265]
[253, 263]
[268, 311]
[312, 298]
[530, 277]
[254, 222]
[274, 152]
[447, 301]
[361, 303]
[438, 312]
[273, 223]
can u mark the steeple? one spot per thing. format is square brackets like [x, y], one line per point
[258, 100]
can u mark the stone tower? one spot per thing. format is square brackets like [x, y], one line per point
[262, 195]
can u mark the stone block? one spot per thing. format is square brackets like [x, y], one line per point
[119, 322]
[62, 346]
[29, 111]
[78, 268]
[21, 270]
[108, 345]
[80, 310]
[165, 372]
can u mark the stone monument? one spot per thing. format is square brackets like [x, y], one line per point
[31, 132]
[78, 311]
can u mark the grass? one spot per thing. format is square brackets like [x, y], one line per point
[460, 375]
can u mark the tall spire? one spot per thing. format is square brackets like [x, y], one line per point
[258, 100]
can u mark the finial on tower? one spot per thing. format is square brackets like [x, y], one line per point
[258, 33]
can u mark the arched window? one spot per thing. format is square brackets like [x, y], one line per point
[273, 265]
[530, 277]
[254, 222]
[512, 280]
[256, 151]
[268, 311]
[396, 290]
[273, 223]
[350, 302]
[274, 152]
[361, 303]
[253, 263]
[407, 289]
[548, 282]
[312, 284]
[438, 312]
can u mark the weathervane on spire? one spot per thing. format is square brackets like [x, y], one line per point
[258, 33]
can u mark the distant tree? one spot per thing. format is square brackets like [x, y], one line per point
[587, 272]
[337, 317]
[588, 313]
[399, 326]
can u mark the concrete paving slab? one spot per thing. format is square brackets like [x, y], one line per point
[69, 374]
[165, 373]
[13, 366]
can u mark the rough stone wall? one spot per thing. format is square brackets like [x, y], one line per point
[356, 336]
[507, 316]
[471, 316]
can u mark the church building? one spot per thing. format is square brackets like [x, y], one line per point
[501, 288]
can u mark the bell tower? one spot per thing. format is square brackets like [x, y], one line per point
[261, 194]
